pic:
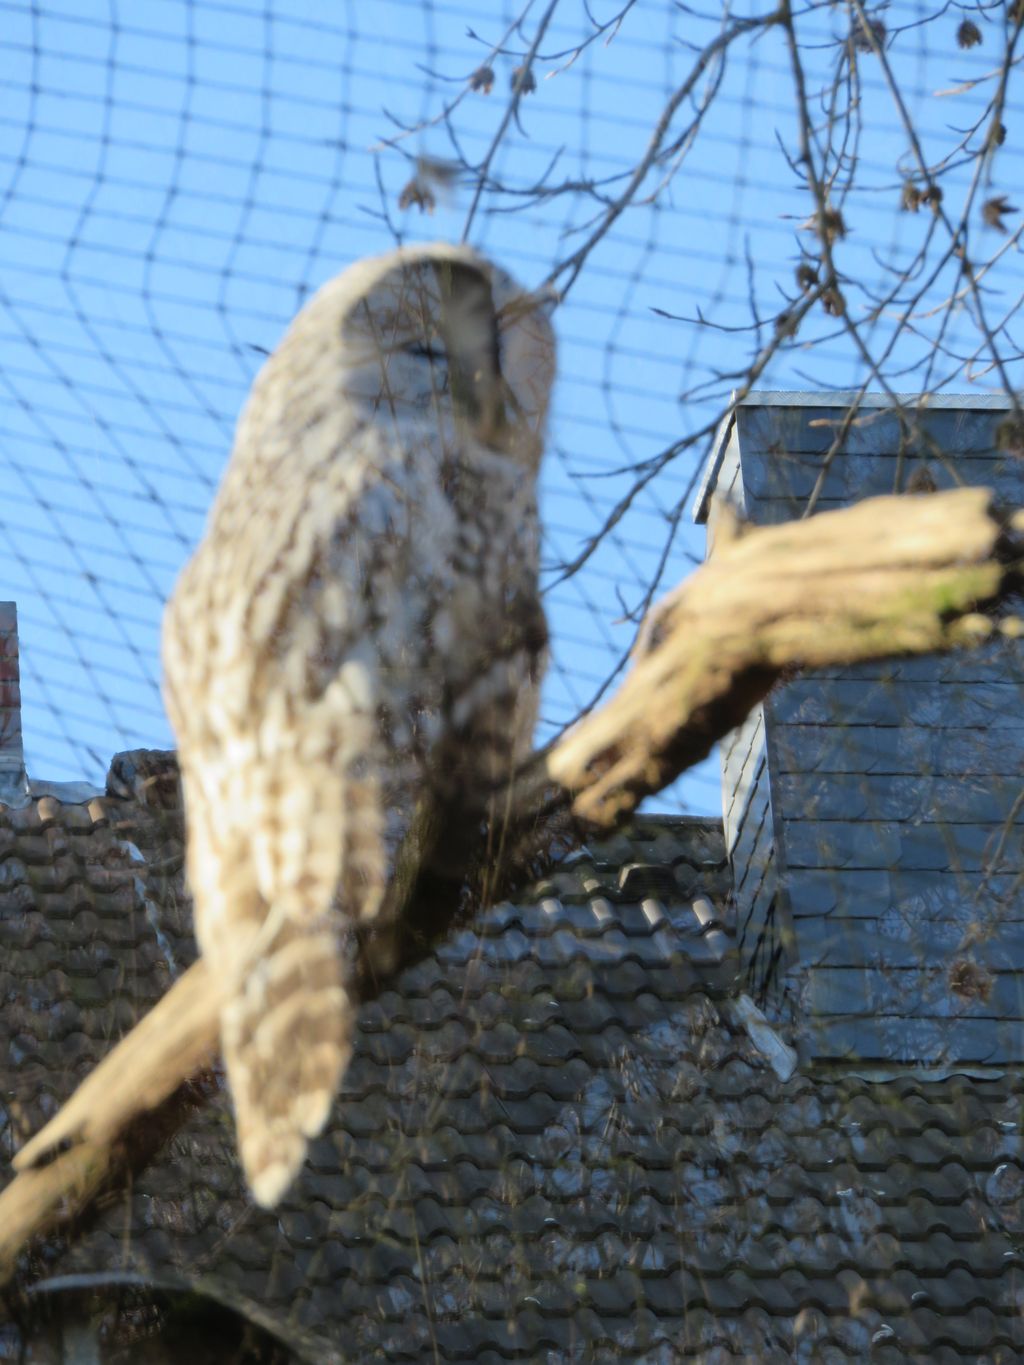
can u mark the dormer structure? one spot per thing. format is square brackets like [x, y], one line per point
[874, 814]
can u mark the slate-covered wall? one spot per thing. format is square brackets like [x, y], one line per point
[896, 789]
[746, 799]
[12, 759]
[750, 845]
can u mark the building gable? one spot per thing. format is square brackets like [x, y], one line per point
[873, 813]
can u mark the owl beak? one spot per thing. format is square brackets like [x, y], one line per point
[470, 329]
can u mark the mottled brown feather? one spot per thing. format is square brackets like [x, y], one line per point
[356, 643]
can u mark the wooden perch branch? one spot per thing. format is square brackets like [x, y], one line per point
[891, 576]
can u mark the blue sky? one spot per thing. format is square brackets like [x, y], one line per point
[176, 178]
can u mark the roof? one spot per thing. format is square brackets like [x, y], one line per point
[555, 1141]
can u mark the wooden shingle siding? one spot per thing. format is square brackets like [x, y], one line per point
[898, 796]
[868, 476]
[853, 943]
[891, 792]
[869, 749]
[925, 894]
[785, 432]
[907, 1039]
[746, 803]
[933, 846]
[750, 843]
[783, 454]
[754, 874]
[964, 666]
[911, 991]
[853, 700]
[743, 760]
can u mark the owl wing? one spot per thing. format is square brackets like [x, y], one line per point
[319, 860]
[285, 764]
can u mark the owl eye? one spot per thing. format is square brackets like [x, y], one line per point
[423, 350]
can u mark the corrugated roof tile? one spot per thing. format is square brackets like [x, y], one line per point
[551, 1114]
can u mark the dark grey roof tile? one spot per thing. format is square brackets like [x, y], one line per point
[610, 1298]
[554, 1117]
[970, 1327]
[914, 1217]
[816, 1252]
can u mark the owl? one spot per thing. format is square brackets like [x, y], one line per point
[352, 656]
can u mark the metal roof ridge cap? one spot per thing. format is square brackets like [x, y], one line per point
[67, 793]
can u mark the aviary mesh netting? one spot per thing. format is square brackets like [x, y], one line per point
[819, 197]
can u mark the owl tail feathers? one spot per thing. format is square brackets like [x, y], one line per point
[286, 1040]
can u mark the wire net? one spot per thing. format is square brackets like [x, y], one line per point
[722, 200]
[812, 197]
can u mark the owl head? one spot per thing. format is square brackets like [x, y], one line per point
[436, 332]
